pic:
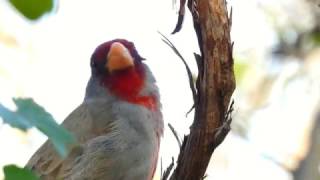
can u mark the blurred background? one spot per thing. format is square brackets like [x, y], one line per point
[276, 122]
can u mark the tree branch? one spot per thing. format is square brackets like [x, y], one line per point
[215, 85]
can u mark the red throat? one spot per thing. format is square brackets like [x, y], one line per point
[127, 85]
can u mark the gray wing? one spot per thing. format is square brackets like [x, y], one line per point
[102, 153]
[85, 126]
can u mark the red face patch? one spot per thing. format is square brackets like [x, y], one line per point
[127, 85]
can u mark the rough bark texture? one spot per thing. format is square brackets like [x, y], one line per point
[215, 85]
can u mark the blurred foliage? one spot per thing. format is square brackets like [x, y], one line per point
[33, 9]
[240, 68]
[14, 119]
[13, 172]
[29, 114]
[315, 36]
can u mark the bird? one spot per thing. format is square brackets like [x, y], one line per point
[118, 126]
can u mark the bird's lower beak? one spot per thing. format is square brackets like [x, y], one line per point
[118, 58]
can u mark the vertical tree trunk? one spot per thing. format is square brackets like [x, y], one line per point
[215, 86]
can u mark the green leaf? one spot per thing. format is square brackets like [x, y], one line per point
[14, 119]
[59, 136]
[13, 172]
[30, 114]
[33, 9]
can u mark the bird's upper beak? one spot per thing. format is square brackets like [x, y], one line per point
[118, 58]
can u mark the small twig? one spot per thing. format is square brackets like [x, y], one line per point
[191, 83]
[161, 170]
[192, 107]
[180, 17]
[205, 176]
[229, 111]
[230, 18]
[174, 132]
[168, 170]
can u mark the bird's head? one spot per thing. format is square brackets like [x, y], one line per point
[119, 68]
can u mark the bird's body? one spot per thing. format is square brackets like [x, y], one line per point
[118, 127]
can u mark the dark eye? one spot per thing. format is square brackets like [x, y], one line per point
[93, 64]
[98, 66]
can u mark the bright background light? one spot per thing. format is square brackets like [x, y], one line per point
[48, 60]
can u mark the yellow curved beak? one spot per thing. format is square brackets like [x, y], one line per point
[118, 58]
